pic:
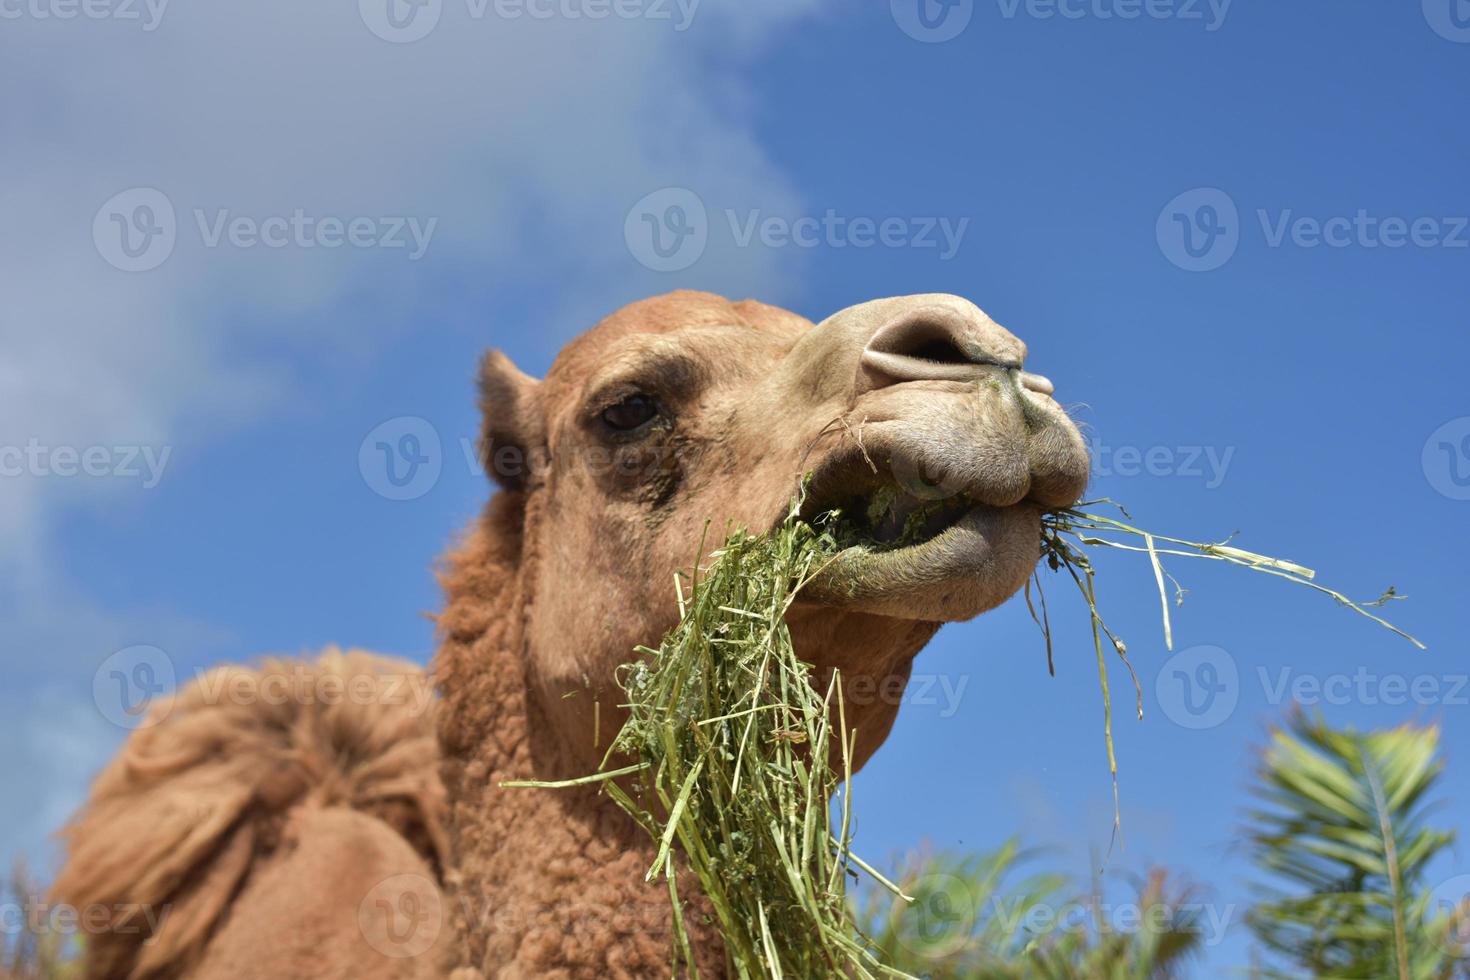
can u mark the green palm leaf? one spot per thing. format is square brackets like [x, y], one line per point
[1341, 829]
[976, 917]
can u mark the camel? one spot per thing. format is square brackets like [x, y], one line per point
[375, 839]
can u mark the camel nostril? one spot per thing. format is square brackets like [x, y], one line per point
[930, 344]
[941, 350]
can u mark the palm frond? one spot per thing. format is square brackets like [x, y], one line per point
[1341, 830]
[982, 916]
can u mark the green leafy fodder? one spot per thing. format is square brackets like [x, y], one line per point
[740, 747]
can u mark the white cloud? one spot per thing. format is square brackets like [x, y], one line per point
[527, 139]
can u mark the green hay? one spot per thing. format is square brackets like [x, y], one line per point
[742, 754]
[739, 752]
[1063, 531]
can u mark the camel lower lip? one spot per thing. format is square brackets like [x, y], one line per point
[973, 565]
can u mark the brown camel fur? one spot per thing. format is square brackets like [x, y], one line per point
[673, 414]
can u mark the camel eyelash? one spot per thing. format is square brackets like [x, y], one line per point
[615, 394]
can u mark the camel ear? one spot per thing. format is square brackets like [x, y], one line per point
[512, 430]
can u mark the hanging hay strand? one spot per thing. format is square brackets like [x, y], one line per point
[1064, 533]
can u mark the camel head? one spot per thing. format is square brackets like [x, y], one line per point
[913, 417]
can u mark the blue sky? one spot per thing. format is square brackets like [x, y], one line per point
[1234, 235]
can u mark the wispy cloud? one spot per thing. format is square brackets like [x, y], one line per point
[517, 144]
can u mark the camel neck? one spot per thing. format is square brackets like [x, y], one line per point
[543, 882]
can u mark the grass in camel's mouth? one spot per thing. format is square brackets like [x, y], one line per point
[735, 746]
[889, 518]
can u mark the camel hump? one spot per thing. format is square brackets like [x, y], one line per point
[207, 801]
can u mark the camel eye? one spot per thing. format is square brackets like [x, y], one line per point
[631, 413]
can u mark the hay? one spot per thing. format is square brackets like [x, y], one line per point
[739, 753]
[1065, 532]
[742, 754]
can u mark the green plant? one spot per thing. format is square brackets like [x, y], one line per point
[972, 917]
[1342, 829]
